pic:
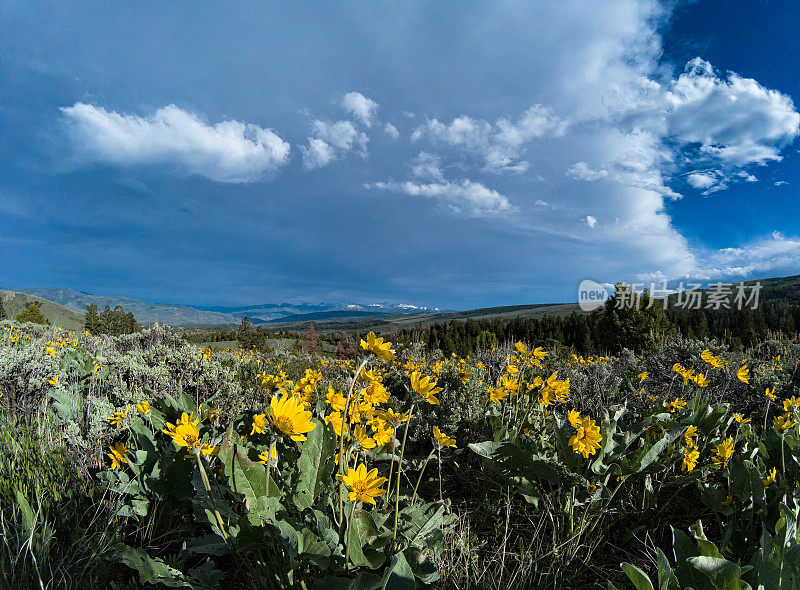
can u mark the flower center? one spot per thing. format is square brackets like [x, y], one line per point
[284, 424]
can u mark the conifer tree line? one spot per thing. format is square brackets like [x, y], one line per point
[610, 329]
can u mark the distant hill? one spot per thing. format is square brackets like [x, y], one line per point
[189, 317]
[145, 313]
[780, 288]
[56, 314]
[775, 289]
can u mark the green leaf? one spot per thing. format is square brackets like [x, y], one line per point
[249, 479]
[363, 532]
[151, 571]
[657, 448]
[637, 576]
[723, 574]
[399, 575]
[512, 461]
[28, 517]
[665, 576]
[316, 464]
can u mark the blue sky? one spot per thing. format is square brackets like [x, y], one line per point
[444, 154]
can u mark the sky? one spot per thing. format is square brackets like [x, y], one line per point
[445, 154]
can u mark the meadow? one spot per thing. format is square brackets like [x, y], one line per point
[146, 461]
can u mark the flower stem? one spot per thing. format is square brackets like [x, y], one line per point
[421, 471]
[207, 485]
[399, 471]
[342, 465]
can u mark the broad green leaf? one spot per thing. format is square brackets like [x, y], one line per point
[637, 577]
[316, 464]
[399, 575]
[723, 574]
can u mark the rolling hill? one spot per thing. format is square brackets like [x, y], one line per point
[56, 314]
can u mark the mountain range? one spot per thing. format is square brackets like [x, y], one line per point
[65, 308]
[197, 316]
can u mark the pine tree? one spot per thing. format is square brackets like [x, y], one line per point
[91, 321]
[32, 313]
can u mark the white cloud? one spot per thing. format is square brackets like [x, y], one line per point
[591, 221]
[427, 166]
[501, 144]
[780, 182]
[229, 151]
[467, 197]
[362, 108]
[317, 154]
[764, 256]
[330, 141]
[391, 131]
[703, 180]
[735, 120]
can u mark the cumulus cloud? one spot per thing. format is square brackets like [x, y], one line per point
[500, 144]
[465, 197]
[229, 151]
[591, 221]
[735, 120]
[771, 254]
[391, 131]
[427, 166]
[362, 108]
[330, 141]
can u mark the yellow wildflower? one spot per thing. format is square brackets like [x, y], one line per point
[290, 417]
[783, 423]
[743, 374]
[53, 380]
[574, 418]
[378, 347]
[364, 486]
[117, 455]
[724, 451]
[393, 418]
[425, 387]
[441, 439]
[264, 457]
[143, 407]
[335, 420]
[741, 419]
[382, 433]
[587, 439]
[117, 417]
[690, 457]
[689, 436]
[791, 403]
[676, 404]
[770, 393]
[336, 400]
[259, 424]
[643, 376]
[773, 473]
